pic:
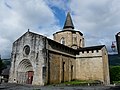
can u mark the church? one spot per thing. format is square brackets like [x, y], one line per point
[38, 60]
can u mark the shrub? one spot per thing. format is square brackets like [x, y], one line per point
[114, 73]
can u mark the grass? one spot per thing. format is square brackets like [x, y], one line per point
[76, 82]
[116, 82]
[81, 82]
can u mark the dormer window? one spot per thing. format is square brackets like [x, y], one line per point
[62, 41]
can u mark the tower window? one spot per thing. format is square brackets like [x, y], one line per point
[62, 41]
[74, 39]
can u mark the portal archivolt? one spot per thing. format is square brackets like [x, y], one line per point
[25, 72]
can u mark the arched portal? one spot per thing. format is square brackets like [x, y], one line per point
[25, 72]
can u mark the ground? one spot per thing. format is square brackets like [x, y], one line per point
[7, 86]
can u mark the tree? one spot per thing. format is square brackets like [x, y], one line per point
[2, 66]
[114, 73]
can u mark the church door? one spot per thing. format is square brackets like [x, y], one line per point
[30, 77]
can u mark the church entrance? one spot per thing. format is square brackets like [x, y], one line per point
[30, 77]
[25, 72]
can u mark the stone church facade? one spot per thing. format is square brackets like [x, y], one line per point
[39, 60]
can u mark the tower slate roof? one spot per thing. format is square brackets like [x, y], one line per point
[68, 22]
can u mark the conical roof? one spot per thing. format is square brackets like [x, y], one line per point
[68, 22]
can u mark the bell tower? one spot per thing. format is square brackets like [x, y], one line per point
[68, 36]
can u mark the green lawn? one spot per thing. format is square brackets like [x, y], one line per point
[81, 82]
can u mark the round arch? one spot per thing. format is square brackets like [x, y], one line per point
[25, 65]
[25, 72]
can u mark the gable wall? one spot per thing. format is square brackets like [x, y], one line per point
[36, 56]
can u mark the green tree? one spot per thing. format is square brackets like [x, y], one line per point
[114, 73]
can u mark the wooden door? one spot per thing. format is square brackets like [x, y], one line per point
[30, 77]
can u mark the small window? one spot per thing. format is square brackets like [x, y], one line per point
[74, 40]
[44, 72]
[62, 41]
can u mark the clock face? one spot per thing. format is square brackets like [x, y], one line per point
[26, 50]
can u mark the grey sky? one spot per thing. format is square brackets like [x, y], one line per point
[98, 20]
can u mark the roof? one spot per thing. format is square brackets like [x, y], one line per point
[57, 43]
[29, 32]
[68, 26]
[68, 22]
[91, 48]
[46, 38]
[61, 47]
[73, 31]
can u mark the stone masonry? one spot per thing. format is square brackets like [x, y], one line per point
[39, 60]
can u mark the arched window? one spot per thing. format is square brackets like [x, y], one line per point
[74, 39]
[62, 41]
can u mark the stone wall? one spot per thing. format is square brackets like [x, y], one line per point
[61, 63]
[62, 68]
[92, 65]
[105, 66]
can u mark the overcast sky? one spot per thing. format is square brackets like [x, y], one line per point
[98, 20]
